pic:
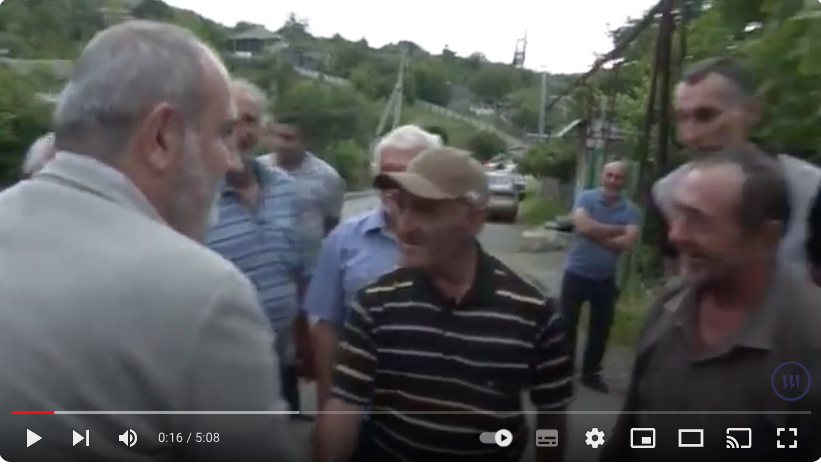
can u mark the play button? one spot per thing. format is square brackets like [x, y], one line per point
[31, 438]
[503, 438]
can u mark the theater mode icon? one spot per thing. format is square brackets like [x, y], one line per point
[691, 437]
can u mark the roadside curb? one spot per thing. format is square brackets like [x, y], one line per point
[358, 194]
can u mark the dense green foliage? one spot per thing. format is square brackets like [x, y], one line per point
[342, 120]
[773, 37]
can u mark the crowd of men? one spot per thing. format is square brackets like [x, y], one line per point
[159, 266]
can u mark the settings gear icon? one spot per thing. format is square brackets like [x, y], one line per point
[595, 438]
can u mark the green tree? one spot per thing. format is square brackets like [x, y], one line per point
[23, 118]
[431, 82]
[484, 145]
[328, 113]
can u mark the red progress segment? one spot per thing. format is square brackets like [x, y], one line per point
[32, 412]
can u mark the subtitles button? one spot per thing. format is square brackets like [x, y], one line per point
[547, 438]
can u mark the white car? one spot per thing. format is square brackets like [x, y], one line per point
[504, 196]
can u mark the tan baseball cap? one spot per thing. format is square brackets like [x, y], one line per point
[441, 174]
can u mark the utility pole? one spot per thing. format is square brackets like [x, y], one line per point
[394, 105]
[400, 88]
[542, 105]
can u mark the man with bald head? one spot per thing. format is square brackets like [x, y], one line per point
[113, 303]
[733, 341]
[606, 225]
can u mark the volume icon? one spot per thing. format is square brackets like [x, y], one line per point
[129, 438]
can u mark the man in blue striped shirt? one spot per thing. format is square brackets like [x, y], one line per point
[258, 229]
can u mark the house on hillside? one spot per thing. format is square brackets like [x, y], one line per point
[254, 42]
[117, 11]
[304, 58]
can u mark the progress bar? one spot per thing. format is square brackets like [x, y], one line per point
[373, 412]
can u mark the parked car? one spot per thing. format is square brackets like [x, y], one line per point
[510, 168]
[504, 197]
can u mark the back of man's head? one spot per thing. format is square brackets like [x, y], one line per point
[123, 73]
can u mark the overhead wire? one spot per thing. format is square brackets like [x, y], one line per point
[633, 34]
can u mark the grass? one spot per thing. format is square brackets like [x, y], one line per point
[631, 311]
[536, 210]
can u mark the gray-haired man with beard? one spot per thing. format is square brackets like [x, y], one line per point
[258, 230]
[111, 305]
[717, 103]
[719, 341]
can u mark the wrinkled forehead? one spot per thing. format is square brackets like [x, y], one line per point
[710, 92]
[713, 191]
[614, 170]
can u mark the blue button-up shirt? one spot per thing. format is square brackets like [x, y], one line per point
[264, 244]
[356, 253]
[587, 258]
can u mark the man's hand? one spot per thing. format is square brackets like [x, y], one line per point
[304, 347]
[598, 231]
[324, 344]
[336, 431]
[623, 242]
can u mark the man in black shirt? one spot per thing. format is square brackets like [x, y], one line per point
[442, 348]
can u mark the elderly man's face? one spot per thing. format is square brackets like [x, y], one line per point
[394, 160]
[613, 177]
[204, 160]
[708, 117]
[247, 129]
[704, 224]
[432, 233]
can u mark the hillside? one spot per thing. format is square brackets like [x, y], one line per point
[57, 29]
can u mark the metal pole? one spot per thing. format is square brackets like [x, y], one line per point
[542, 103]
[400, 89]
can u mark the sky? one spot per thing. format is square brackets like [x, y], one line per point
[563, 35]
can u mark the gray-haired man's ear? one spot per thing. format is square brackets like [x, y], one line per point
[39, 153]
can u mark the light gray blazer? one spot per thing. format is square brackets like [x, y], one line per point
[105, 308]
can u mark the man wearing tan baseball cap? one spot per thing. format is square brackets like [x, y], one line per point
[448, 298]
[442, 174]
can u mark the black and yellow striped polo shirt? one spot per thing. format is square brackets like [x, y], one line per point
[437, 374]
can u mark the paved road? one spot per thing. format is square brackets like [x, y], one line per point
[502, 240]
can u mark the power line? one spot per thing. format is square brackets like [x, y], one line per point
[634, 33]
